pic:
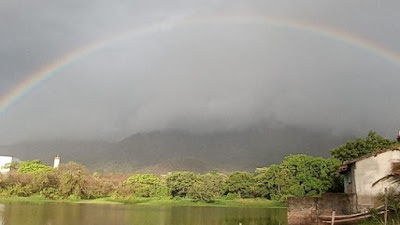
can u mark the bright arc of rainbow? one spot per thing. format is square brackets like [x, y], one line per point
[47, 71]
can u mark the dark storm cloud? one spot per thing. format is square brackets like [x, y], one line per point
[205, 76]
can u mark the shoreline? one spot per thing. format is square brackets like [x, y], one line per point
[236, 203]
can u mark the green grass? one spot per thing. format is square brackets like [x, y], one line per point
[251, 203]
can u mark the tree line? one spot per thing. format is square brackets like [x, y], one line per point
[297, 175]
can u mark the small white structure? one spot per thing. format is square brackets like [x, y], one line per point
[56, 162]
[361, 173]
[4, 160]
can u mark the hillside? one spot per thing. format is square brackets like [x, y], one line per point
[161, 151]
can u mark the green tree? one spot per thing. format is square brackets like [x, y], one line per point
[201, 190]
[71, 179]
[144, 185]
[310, 175]
[270, 182]
[179, 183]
[360, 147]
[216, 182]
[12, 166]
[207, 187]
[298, 175]
[34, 167]
[240, 183]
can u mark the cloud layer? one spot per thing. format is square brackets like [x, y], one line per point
[203, 76]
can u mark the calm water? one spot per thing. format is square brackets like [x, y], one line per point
[87, 214]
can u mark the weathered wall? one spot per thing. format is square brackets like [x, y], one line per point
[368, 171]
[305, 211]
[302, 210]
[342, 203]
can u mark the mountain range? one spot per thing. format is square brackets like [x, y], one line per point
[169, 150]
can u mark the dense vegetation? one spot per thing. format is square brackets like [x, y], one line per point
[297, 175]
[360, 147]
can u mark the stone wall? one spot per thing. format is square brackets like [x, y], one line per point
[305, 210]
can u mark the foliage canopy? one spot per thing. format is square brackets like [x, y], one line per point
[33, 166]
[144, 185]
[360, 147]
[298, 175]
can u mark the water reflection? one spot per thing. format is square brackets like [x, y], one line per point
[86, 214]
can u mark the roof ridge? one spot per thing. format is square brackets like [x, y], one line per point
[374, 153]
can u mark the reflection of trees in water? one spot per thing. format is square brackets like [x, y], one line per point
[2, 209]
[226, 216]
[259, 216]
[41, 213]
[67, 214]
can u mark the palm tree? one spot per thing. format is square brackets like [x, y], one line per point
[393, 177]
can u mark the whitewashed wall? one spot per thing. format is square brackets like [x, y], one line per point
[3, 161]
[368, 171]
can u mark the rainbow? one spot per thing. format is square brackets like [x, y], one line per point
[49, 70]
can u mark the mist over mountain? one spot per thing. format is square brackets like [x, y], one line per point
[168, 150]
[193, 80]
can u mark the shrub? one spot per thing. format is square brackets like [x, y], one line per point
[33, 167]
[201, 191]
[179, 183]
[143, 185]
[241, 183]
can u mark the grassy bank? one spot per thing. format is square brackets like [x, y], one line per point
[251, 203]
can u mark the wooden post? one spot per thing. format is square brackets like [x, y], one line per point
[386, 207]
[333, 217]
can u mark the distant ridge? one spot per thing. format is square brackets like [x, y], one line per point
[160, 151]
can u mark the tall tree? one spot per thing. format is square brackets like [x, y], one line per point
[360, 147]
[240, 183]
[144, 185]
[298, 175]
[180, 182]
[271, 182]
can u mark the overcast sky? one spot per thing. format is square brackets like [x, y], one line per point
[203, 76]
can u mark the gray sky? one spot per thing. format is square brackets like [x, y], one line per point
[204, 76]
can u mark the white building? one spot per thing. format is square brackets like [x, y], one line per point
[362, 173]
[57, 160]
[4, 160]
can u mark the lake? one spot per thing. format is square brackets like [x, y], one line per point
[109, 214]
